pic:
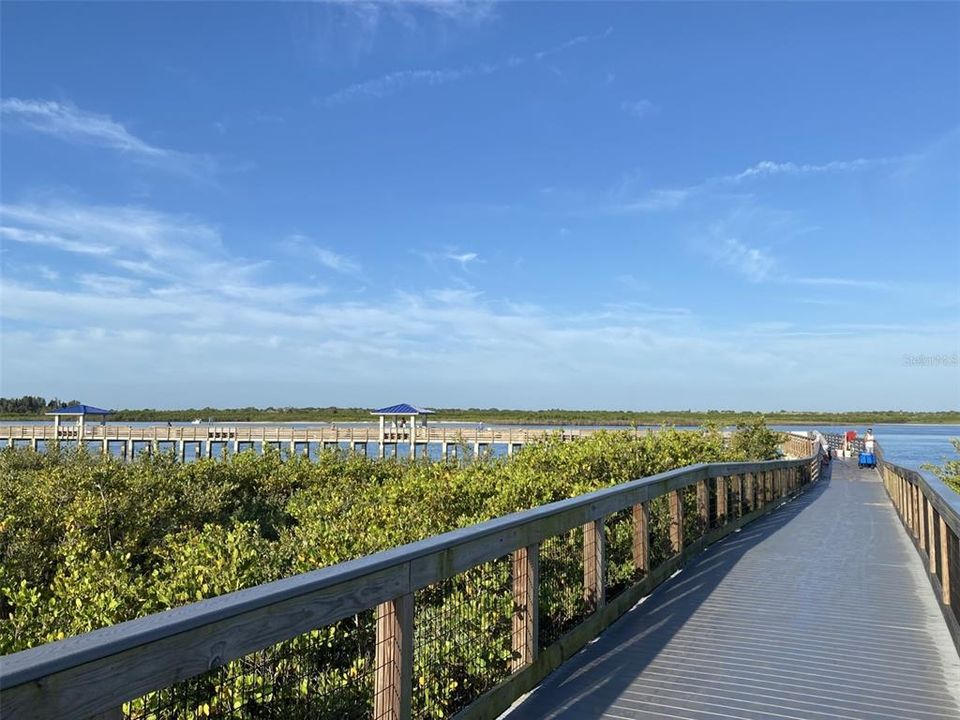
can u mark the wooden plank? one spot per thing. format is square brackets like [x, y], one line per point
[641, 537]
[526, 620]
[393, 663]
[594, 583]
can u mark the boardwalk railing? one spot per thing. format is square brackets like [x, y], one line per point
[930, 512]
[464, 622]
[240, 437]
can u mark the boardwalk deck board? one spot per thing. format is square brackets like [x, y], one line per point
[819, 610]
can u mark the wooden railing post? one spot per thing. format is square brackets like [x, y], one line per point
[945, 577]
[526, 616]
[741, 491]
[918, 516]
[721, 490]
[641, 538]
[594, 583]
[394, 659]
[932, 538]
[676, 521]
[703, 504]
[922, 520]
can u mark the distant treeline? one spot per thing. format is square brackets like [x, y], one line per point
[31, 405]
[35, 407]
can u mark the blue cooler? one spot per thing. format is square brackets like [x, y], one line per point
[867, 460]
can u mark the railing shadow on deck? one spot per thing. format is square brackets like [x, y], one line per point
[644, 632]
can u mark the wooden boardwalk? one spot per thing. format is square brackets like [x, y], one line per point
[820, 610]
[208, 439]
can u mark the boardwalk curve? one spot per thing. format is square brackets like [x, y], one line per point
[819, 610]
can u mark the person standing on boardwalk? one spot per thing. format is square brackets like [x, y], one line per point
[868, 442]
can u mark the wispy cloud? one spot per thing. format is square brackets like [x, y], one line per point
[657, 200]
[571, 43]
[463, 258]
[67, 122]
[371, 12]
[395, 82]
[752, 262]
[639, 108]
[161, 252]
[301, 244]
[769, 168]
[671, 198]
[400, 80]
[170, 299]
[35, 237]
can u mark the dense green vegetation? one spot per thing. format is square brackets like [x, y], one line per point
[31, 405]
[949, 472]
[87, 541]
[11, 407]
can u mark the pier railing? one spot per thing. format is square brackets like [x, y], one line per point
[930, 512]
[458, 624]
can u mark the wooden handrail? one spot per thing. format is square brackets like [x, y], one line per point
[930, 512]
[98, 671]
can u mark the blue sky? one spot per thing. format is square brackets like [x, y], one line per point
[583, 205]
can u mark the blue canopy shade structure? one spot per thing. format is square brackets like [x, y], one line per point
[402, 409]
[80, 410]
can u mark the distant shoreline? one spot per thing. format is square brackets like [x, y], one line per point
[541, 418]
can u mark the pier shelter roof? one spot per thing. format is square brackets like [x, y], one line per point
[80, 410]
[402, 409]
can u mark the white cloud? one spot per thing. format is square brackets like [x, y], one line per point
[753, 263]
[395, 82]
[164, 253]
[571, 43]
[663, 199]
[370, 12]
[400, 80]
[768, 168]
[300, 244]
[639, 108]
[32, 237]
[463, 258]
[65, 121]
[660, 199]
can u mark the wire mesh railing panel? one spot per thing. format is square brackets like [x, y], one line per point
[621, 572]
[325, 673]
[692, 526]
[462, 638]
[720, 499]
[660, 548]
[561, 591]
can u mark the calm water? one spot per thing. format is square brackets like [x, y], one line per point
[907, 445]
